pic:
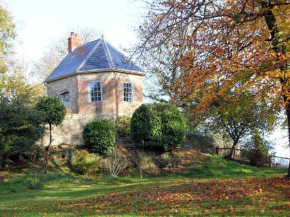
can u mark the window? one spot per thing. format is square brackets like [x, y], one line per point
[128, 92]
[64, 97]
[95, 92]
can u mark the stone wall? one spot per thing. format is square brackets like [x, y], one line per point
[69, 84]
[70, 131]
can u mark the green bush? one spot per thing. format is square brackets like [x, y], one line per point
[20, 128]
[123, 126]
[157, 126]
[100, 136]
[84, 162]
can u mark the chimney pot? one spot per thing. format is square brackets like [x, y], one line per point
[73, 41]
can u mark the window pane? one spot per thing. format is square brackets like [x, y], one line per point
[128, 92]
[65, 97]
[96, 92]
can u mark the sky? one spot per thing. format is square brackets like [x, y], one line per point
[38, 22]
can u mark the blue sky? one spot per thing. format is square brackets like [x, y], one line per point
[39, 21]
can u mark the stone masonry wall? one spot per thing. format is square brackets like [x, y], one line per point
[69, 132]
[65, 85]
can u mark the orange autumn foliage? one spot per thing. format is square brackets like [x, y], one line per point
[228, 46]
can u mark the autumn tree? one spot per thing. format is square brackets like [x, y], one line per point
[15, 83]
[7, 32]
[227, 42]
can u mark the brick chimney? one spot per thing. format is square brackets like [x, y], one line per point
[73, 41]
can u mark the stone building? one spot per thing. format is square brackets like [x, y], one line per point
[93, 80]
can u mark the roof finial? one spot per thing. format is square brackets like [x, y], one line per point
[102, 36]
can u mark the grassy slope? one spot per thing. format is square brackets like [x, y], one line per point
[221, 187]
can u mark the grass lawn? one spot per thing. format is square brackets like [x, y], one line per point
[215, 187]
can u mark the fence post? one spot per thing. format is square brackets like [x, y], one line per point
[270, 161]
[217, 150]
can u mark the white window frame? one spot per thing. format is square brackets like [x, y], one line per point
[89, 91]
[131, 92]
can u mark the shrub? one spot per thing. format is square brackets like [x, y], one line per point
[157, 126]
[100, 136]
[20, 128]
[116, 162]
[145, 162]
[84, 162]
[123, 126]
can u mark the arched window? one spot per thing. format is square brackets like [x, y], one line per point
[95, 91]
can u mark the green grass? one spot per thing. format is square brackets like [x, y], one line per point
[221, 168]
[215, 187]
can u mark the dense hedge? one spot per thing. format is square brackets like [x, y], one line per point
[99, 136]
[157, 126]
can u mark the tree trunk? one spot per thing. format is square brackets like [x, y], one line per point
[230, 155]
[48, 149]
[279, 48]
[288, 121]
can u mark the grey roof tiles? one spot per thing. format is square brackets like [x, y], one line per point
[93, 56]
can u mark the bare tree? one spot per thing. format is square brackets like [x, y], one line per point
[58, 48]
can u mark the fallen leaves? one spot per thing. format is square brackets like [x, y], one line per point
[208, 196]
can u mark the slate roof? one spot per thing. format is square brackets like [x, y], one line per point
[93, 56]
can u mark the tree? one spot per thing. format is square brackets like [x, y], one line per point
[240, 116]
[53, 112]
[227, 42]
[15, 83]
[57, 50]
[20, 128]
[7, 32]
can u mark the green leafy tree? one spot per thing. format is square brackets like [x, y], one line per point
[157, 126]
[237, 117]
[52, 113]
[100, 136]
[20, 128]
